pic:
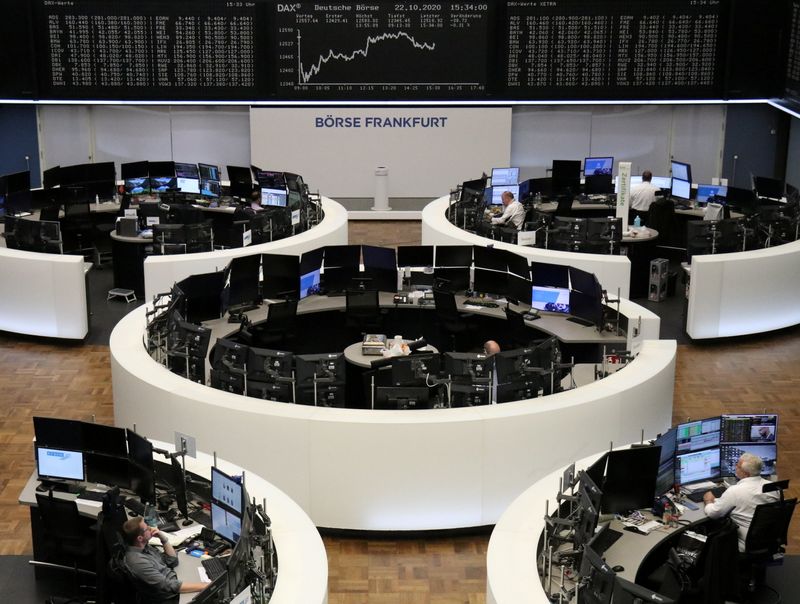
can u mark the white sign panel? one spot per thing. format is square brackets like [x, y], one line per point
[624, 195]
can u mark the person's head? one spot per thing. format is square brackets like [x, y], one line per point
[647, 176]
[507, 197]
[491, 347]
[136, 532]
[255, 197]
[749, 465]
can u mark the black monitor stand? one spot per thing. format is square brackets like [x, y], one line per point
[58, 486]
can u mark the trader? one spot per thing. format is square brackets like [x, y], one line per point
[643, 194]
[152, 572]
[741, 499]
[490, 347]
[514, 212]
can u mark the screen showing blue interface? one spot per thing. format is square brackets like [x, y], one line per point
[697, 435]
[186, 171]
[504, 176]
[225, 523]
[550, 299]
[273, 197]
[681, 188]
[309, 284]
[680, 171]
[706, 191]
[697, 466]
[226, 491]
[137, 186]
[730, 454]
[59, 463]
[497, 193]
[188, 185]
[598, 165]
[161, 184]
[210, 188]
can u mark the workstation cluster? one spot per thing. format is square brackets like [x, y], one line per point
[276, 358]
[612, 534]
[116, 466]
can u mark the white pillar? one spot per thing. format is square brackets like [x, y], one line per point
[381, 189]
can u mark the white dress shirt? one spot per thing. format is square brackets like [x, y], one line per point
[642, 195]
[514, 213]
[741, 500]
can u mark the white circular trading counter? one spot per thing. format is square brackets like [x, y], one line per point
[744, 292]
[162, 272]
[302, 561]
[394, 470]
[613, 272]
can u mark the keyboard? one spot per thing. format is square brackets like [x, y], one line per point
[604, 540]
[200, 516]
[697, 496]
[215, 567]
[480, 302]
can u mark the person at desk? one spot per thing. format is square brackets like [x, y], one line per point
[490, 347]
[643, 195]
[514, 212]
[741, 499]
[247, 211]
[152, 572]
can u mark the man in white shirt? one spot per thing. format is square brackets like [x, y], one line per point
[514, 213]
[643, 194]
[741, 499]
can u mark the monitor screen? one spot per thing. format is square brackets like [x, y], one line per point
[550, 299]
[551, 275]
[241, 181]
[749, 428]
[108, 470]
[697, 435]
[697, 466]
[598, 577]
[598, 165]
[208, 172]
[137, 186]
[140, 450]
[497, 193]
[210, 188]
[161, 184]
[281, 274]
[662, 182]
[519, 289]
[271, 179]
[583, 281]
[183, 170]
[505, 176]
[706, 191]
[730, 454]
[58, 433]
[225, 523]
[453, 255]
[161, 168]
[309, 283]
[188, 185]
[273, 197]
[681, 171]
[415, 255]
[226, 491]
[137, 169]
[768, 187]
[490, 282]
[681, 189]
[566, 175]
[588, 307]
[342, 256]
[59, 464]
[109, 440]
[630, 479]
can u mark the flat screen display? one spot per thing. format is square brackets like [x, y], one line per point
[210, 188]
[209, 172]
[497, 193]
[697, 466]
[706, 191]
[309, 283]
[186, 170]
[598, 165]
[681, 171]
[681, 189]
[226, 491]
[505, 176]
[188, 185]
[60, 464]
[749, 428]
[225, 523]
[730, 454]
[137, 186]
[550, 299]
[273, 197]
[697, 435]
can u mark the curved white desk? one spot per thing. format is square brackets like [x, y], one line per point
[744, 292]
[162, 272]
[394, 470]
[613, 272]
[43, 294]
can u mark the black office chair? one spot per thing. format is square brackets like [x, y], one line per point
[450, 321]
[77, 229]
[764, 545]
[68, 543]
[661, 217]
[279, 326]
[113, 579]
[564, 207]
[363, 311]
[516, 329]
[50, 212]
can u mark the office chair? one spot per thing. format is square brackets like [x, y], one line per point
[661, 217]
[764, 546]
[50, 212]
[363, 311]
[279, 326]
[67, 538]
[77, 229]
[516, 328]
[450, 321]
[564, 207]
[113, 580]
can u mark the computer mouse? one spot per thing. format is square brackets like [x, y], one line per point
[617, 568]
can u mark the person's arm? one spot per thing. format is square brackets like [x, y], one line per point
[507, 210]
[187, 588]
[718, 507]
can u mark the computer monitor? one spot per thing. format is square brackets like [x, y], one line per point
[566, 176]
[704, 192]
[490, 257]
[681, 171]
[587, 307]
[273, 197]
[598, 165]
[497, 193]
[749, 428]
[225, 523]
[226, 491]
[327, 367]
[402, 397]
[626, 592]
[241, 181]
[550, 299]
[665, 479]
[454, 279]
[415, 369]
[271, 179]
[586, 525]
[583, 281]
[58, 433]
[137, 186]
[490, 282]
[505, 176]
[453, 255]
[519, 289]
[136, 169]
[518, 364]
[348, 256]
[681, 189]
[59, 464]
[281, 276]
[162, 184]
[107, 470]
[730, 454]
[519, 389]
[310, 283]
[414, 255]
[108, 440]
[50, 178]
[470, 395]
[697, 435]
[630, 479]
[549, 275]
[598, 584]
[598, 184]
[210, 188]
[468, 365]
[772, 188]
[380, 266]
[697, 466]
[266, 365]
[140, 450]
[208, 172]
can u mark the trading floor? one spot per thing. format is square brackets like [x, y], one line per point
[40, 377]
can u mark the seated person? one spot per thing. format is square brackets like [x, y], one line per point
[513, 214]
[246, 212]
[152, 571]
[642, 197]
[741, 499]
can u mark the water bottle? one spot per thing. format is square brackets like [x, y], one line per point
[150, 515]
[637, 222]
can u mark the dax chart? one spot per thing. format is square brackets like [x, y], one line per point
[382, 49]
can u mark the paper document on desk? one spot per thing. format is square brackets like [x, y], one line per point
[203, 575]
[90, 503]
